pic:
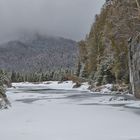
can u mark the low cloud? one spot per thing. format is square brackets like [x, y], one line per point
[67, 18]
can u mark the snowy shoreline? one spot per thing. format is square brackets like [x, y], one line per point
[67, 85]
[39, 112]
[65, 114]
[105, 97]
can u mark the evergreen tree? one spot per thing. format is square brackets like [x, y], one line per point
[13, 77]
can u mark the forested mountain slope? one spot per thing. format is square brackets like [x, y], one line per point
[104, 53]
[38, 53]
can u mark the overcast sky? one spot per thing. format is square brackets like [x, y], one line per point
[67, 18]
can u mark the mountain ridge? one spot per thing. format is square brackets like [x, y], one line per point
[39, 52]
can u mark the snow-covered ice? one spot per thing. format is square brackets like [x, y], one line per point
[47, 112]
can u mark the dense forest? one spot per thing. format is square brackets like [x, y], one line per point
[50, 75]
[104, 53]
[37, 52]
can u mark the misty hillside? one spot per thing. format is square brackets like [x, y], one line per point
[38, 52]
[104, 53]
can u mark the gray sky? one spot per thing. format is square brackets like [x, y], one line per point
[67, 18]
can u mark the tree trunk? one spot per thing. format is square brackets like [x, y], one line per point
[138, 5]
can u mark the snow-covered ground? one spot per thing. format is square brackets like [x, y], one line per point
[51, 112]
[68, 85]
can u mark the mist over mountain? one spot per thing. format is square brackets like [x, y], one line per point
[59, 18]
[36, 52]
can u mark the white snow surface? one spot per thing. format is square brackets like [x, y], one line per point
[107, 89]
[66, 114]
[68, 85]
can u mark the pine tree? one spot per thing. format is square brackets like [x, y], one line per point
[4, 80]
[13, 77]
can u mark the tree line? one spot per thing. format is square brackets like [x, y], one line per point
[51, 75]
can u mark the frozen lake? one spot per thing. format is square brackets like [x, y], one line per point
[46, 114]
